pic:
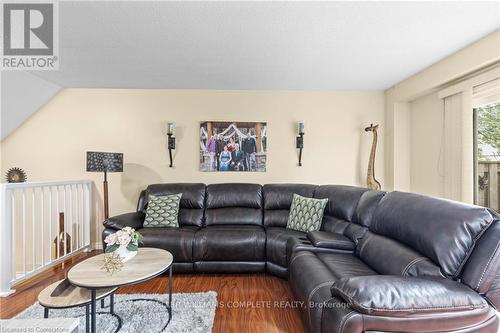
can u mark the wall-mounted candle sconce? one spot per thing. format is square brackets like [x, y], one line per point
[300, 140]
[171, 140]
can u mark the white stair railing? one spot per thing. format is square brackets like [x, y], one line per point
[32, 215]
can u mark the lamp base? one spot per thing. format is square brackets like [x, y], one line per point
[105, 194]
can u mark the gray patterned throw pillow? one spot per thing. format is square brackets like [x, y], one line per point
[306, 214]
[162, 211]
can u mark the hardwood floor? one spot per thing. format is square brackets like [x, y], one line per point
[247, 302]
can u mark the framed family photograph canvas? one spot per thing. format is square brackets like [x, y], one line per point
[233, 146]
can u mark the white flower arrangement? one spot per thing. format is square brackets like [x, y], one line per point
[126, 238]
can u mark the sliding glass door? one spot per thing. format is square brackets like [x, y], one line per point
[487, 155]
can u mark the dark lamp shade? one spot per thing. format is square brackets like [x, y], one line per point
[102, 161]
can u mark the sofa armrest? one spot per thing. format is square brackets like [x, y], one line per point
[330, 240]
[395, 296]
[134, 220]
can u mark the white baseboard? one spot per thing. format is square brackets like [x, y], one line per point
[7, 293]
[97, 246]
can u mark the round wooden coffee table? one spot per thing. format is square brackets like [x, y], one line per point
[147, 264]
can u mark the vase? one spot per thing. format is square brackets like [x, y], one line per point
[125, 254]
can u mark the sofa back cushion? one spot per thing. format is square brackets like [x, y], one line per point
[192, 201]
[390, 257]
[234, 204]
[367, 205]
[363, 215]
[441, 230]
[482, 270]
[342, 203]
[278, 199]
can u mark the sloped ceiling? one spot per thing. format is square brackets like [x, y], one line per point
[22, 95]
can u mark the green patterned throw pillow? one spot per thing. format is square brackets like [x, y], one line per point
[306, 214]
[162, 211]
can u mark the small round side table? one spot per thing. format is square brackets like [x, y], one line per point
[62, 295]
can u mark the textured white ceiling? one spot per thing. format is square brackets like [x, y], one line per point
[261, 45]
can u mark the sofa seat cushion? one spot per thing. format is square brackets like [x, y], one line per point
[339, 318]
[311, 281]
[345, 265]
[276, 248]
[388, 295]
[313, 274]
[230, 243]
[178, 241]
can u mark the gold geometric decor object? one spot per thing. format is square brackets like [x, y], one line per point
[112, 263]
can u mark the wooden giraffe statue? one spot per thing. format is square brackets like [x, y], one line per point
[371, 182]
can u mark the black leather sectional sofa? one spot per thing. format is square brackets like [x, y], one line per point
[382, 262]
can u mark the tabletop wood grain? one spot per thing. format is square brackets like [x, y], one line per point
[63, 294]
[148, 263]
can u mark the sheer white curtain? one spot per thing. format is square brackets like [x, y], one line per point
[458, 147]
[458, 133]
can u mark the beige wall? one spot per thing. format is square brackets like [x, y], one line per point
[466, 62]
[426, 142]
[51, 145]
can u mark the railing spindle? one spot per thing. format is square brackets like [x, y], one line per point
[42, 223]
[87, 213]
[6, 272]
[14, 234]
[70, 218]
[57, 221]
[33, 231]
[24, 229]
[65, 219]
[78, 211]
[50, 224]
